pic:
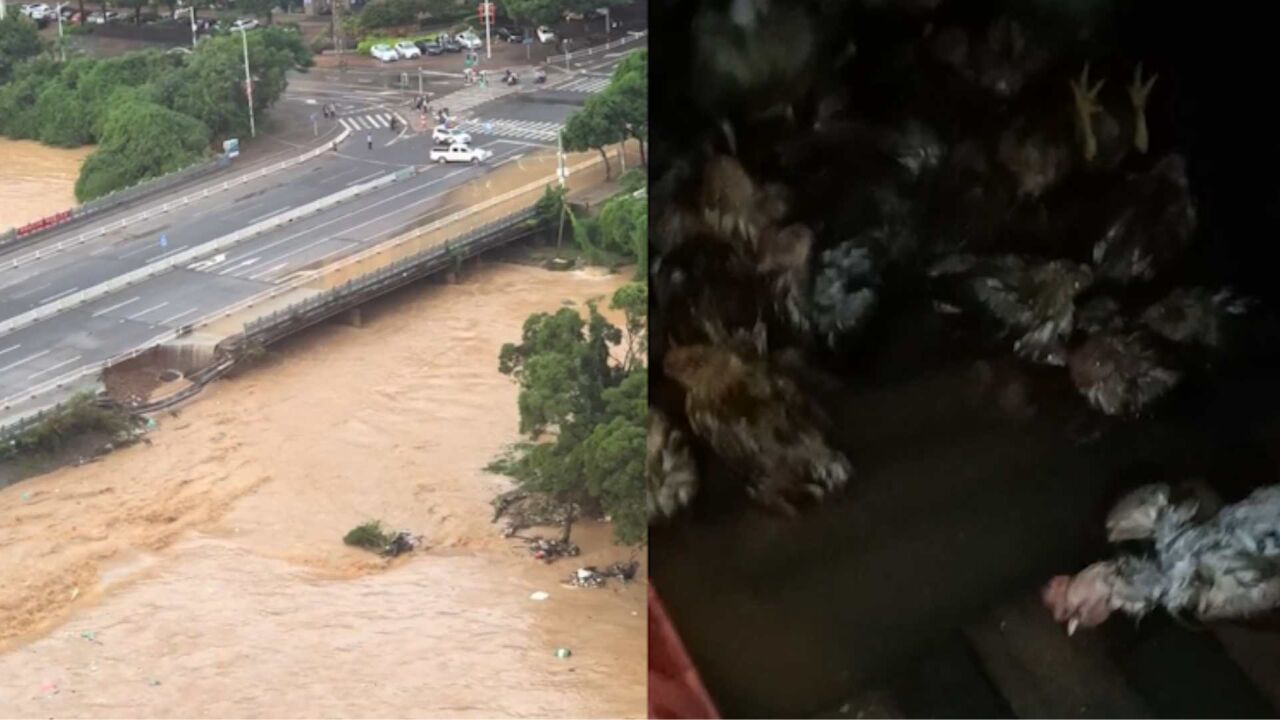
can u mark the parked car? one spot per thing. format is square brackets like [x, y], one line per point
[468, 40]
[67, 11]
[545, 34]
[100, 18]
[511, 35]
[571, 15]
[460, 153]
[429, 47]
[443, 135]
[36, 11]
[384, 53]
[449, 44]
[407, 49]
[244, 23]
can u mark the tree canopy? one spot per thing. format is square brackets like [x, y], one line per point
[592, 403]
[620, 111]
[70, 104]
[19, 40]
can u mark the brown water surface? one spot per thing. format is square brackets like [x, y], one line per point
[36, 180]
[204, 575]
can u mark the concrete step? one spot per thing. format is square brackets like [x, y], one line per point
[1043, 673]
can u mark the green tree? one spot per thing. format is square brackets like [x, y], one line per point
[592, 128]
[628, 93]
[140, 140]
[623, 228]
[633, 300]
[63, 123]
[257, 8]
[136, 6]
[19, 40]
[572, 389]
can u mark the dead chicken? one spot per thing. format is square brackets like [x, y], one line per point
[1032, 297]
[1151, 226]
[1224, 567]
[1121, 372]
[1107, 137]
[671, 476]
[1195, 315]
[759, 422]
[1002, 60]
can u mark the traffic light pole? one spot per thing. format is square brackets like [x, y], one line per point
[488, 49]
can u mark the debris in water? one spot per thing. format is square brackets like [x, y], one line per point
[539, 595]
[91, 636]
[49, 688]
[563, 652]
[26, 496]
[153, 682]
[591, 577]
[75, 593]
[549, 550]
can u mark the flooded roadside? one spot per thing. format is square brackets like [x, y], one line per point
[205, 575]
[36, 180]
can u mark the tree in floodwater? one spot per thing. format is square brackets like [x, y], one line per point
[583, 410]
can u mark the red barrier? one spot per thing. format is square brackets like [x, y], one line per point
[675, 690]
[44, 223]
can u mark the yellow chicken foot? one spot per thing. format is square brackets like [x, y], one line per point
[1138, 92]
[1087, 105]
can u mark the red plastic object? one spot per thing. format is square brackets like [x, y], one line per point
[675, 690]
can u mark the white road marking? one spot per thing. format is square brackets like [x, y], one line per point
[345, 125]
[51, 368]
[239, 265]
[117, 306]
[149, 244]
[273, 213]
[10, 349]
[31, 291]
[163, 255]
[61, 294]
[171, 318]
[366, 178]
[269, 270]
[29, 358]
[140, 313]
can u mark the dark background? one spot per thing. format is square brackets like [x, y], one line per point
[955, 510]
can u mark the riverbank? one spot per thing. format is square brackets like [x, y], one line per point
[209, 570]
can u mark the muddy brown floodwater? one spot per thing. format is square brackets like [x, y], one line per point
[36, 180]
[205, 576]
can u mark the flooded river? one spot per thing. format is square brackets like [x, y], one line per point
[36, 180]
[204, 575]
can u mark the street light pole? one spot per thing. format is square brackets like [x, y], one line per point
[62, 43]
[248, 82]
[488, 49]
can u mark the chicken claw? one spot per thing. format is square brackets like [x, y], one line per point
[1087, 105]
[1138, 92]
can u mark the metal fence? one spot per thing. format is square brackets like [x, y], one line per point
[631, 37]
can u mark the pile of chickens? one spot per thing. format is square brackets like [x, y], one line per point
[1029, 186]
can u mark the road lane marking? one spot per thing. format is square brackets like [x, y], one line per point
[140, 313]
[29, 358]
[270, 214]
[164, 254]
[117, 306]
[10, 349]
[269, 270]
[149, 244]
[31, 291]
[171, 318]
[239, 265]
[366, 178]
[55, 297]
[51, 368]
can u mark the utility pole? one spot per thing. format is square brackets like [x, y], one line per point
[1, 9]
[248, 82]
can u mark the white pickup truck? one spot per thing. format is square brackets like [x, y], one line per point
[460, 153]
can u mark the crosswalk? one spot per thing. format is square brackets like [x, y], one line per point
[586, 85]
[367, 121]
[520, 129]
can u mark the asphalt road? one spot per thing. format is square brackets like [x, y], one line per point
[133, 316]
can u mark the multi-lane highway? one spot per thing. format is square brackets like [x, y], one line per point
[128, 318]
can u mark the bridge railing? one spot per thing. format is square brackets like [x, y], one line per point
[18, 236]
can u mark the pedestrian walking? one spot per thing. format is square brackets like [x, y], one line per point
[369, 139]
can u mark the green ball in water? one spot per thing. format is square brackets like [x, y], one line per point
[563, 653]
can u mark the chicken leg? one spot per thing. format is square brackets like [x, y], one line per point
[1087, 105]
[1138, 92]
